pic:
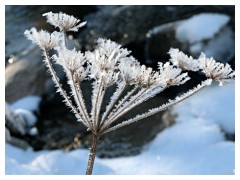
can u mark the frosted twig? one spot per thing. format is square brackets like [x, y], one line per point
[123, 100]
[60, 89]
[160, 108]
[115, 97]
[75, 87]
[95, 96]
[124, 109]
[102, 94]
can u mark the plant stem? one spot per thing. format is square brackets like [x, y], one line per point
[160, 108]
[113, 102]
[79, 100]
[59, 86]
[92, 154]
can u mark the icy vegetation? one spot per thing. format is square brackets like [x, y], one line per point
[110, 64]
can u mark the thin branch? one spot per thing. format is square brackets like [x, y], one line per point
[144, 97]
[100, 104]
[83, 102]
[95, 104]
[79, 100]
[124, 109]
[92, 154]
[123, 100]
[60, 89]
[115, 97]
[160, 108]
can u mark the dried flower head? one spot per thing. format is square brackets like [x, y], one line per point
[127, 68]
[215, 70]
[172, 75]
[106, 57]
[44, 39]
[182, 61]
[145, 76]
[63, 21]
[70, 59]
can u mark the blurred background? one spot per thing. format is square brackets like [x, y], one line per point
[35, 114]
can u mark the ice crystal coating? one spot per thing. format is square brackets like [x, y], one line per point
[172, 75]
[72, 61]
[105, 58]
[145, 76]
[63, 21]
[215, 70]
[44, 39]
[127, 68]
[182, 61]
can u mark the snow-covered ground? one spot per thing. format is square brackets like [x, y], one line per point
[195, 144]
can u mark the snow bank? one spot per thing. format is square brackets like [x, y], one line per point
[26, 106]
[28, 102]
[201, 27]
[215, 104]
[194, 145]
[49, 162]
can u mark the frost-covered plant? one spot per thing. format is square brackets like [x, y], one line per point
[110, 64]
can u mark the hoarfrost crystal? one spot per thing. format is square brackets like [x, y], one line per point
[44, 39]
[182, 61]
[171, 74]
[215, 70]
[63, 21]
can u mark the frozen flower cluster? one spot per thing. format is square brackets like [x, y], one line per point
[112, 65]
[182, 61]
[43, 39]
[215, 70]
[63, 21]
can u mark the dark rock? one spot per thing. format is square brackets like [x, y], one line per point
[161, 38]
[230, 137]
[15, 127]
[130, 24]
[25, 77]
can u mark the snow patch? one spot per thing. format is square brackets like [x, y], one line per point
[30, 103]
[194, 29]
[215, 104]
[29, 116]
[26, 106]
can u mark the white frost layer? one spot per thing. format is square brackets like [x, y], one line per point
[201, 27]
[194, 145]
